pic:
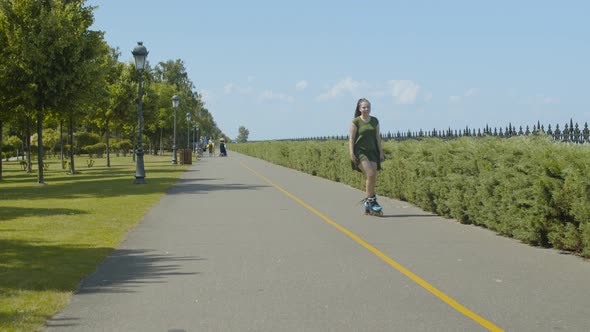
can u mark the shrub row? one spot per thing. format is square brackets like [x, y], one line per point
[99, 149]
[528, 188]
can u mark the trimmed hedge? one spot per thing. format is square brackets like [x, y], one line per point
[123, 147]
[97, 149]
[529, 188]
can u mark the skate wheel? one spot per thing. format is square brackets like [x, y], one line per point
[377, 213]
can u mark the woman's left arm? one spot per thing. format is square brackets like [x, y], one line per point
[381, 155]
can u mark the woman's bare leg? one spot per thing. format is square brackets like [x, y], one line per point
[370, 170]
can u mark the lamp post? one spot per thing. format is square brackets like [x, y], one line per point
[198, 138]
[188, 128]
[195, 141]
[140, 54]
[175, 102]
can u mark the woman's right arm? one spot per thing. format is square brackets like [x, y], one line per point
[352, 135]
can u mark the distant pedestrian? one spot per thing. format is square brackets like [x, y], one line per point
[211, 147]
[366, 152]
[222, 148]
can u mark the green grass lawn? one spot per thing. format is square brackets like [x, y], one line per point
[53, 235]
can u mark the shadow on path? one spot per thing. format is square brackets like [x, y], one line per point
[190, 186]
[408, 216]
[38, 266]
[125, 270]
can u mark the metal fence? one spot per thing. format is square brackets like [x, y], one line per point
[571, 133]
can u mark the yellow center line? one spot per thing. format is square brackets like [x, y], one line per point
[442, 296]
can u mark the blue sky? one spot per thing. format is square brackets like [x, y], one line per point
[296, 69]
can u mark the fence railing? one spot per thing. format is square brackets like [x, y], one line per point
[571, 133]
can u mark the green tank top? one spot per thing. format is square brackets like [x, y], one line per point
[365, 143]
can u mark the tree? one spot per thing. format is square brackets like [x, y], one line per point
[4, 116]
[117, 94]
[48, 57]
[174, 73]
[242, 135]
[122, 104]
[165, 114]
[11, 145]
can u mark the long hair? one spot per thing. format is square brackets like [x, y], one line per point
[357, 112]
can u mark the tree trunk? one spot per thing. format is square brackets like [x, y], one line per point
[28, 143]
[1, 124]
[161, 147]
[61, 142]
[40, 145]
[108, 134]
[71, 133]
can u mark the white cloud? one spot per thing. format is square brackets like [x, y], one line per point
[206, 96]
[549, 100]
[404, 91]
[469, 93]
[455, 99]
[347, 85]
[269, 95]
[301, 85]
[539, 99]
[251, 78]
[230, 88]
[377, 92]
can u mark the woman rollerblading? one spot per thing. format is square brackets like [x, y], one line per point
[366, 152]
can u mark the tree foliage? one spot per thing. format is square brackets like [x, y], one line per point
[242, 135]
[57, 73]
[49, 57]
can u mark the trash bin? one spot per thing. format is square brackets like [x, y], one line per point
[186, 157]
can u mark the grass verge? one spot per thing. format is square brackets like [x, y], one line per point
[52, 236]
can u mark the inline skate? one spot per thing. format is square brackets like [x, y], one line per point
[372, 207]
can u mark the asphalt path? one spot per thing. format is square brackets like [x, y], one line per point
[239, 244]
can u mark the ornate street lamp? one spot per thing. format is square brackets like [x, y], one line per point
[140, 54]
[194, 142]
[175, 102]
[188, 128]
[198, 138]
